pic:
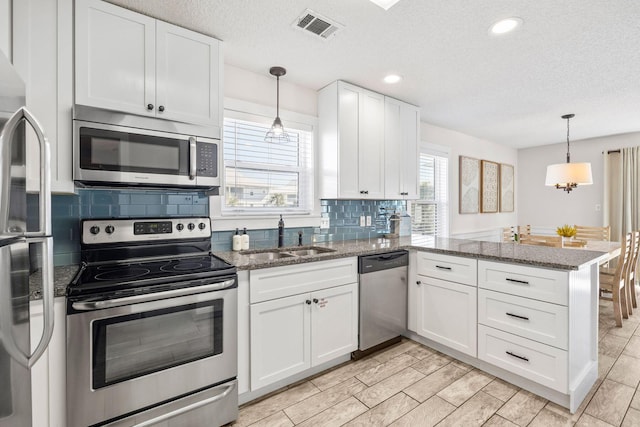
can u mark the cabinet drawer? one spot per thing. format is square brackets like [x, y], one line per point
[278, 282]
[541, 363]
[540, 321]
[529, 282]
[447, 267]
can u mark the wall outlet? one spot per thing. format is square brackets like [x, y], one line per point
[368, 220]
[363, 221]
[598, 208]
[324, 223]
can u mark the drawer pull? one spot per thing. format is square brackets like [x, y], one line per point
[517, 316]
[523, 282]
[443, 268]
[516, 356]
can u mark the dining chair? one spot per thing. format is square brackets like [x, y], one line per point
[524, 230]
[507, 234]
[540, 240]
[615, 283]
[629, 272]
[593, 233]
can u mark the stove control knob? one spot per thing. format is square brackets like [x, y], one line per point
[191, 226]
[180, 226]
[109, 229]
[201, 226]
[94, 229]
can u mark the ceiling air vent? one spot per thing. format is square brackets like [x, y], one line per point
[317, 24]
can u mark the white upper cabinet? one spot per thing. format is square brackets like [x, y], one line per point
[132, 63]
[351, 125]
[401, 130]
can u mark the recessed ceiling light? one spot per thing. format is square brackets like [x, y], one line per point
[392, 78]
[385, 4]
[505, 25]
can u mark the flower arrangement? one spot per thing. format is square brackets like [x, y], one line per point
[566, 231]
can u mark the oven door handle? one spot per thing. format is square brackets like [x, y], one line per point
[229, 388]
[118, 302]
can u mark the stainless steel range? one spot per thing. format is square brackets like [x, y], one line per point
[151, 327]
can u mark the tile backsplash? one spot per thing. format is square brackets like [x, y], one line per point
[68, 210]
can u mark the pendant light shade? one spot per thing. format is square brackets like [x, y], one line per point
[277, 134]
[567, 176]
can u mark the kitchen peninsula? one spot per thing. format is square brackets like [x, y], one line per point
[526, 314]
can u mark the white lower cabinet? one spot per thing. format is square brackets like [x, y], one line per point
[300, 316]
[447, 313]
[292, 334]
[48, 375]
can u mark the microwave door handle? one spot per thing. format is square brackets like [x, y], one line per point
[192, 158]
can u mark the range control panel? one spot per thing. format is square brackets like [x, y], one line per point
[99, 231]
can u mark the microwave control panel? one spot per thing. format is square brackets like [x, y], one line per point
[207, 159]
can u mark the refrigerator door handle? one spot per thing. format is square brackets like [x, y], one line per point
[6, 313]
[47, 300]
[6, 310]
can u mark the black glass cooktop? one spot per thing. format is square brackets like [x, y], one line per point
[124, 275]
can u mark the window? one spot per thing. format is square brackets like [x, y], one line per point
[430, 214]
[263, 177]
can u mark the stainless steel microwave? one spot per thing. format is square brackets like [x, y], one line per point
[116, 155]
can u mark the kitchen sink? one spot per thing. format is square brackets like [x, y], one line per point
[266, 255]
[310, 251]
[271, 254]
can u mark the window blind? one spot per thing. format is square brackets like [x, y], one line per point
[430, 214]
[262, 176]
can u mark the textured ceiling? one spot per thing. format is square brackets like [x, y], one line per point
[570, 56]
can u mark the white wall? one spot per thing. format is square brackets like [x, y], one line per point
[5, 27]
[261, 89]
[543, 206]
[466, 145]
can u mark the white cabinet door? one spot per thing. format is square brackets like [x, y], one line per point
[334, 323]
[371, 173]
[447, 314]
[348, 136]
[188, 75]
[280, 339]
[115, 58]
[243, 332]
[48, 375]
[401, 129]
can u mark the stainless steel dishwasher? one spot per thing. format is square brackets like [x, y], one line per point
[383, 300]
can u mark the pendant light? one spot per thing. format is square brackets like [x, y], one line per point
[277, 134]
[567, 176]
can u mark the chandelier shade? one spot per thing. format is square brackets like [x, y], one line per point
[567, 176]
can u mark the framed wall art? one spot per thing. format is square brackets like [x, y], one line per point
[507, 188]
[469, 178]
[489, 186]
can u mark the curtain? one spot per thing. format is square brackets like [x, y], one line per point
[622, 191]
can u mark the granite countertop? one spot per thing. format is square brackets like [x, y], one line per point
[62, 276]
[536, 256]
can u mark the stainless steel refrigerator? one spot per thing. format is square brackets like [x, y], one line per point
[25, 245]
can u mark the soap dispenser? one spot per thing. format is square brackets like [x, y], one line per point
[237, 241]
[281, 232]
[245, 240]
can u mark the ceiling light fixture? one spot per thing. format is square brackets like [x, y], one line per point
[392, 78]
[505, 25]
[385, 4]
[277, 134]
[567, 176]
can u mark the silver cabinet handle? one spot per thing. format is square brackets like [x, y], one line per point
[192, 158]
[117, 302]
[443, 268]
[187, 408]
[522, 282]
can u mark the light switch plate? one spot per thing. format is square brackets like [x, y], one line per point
[324, 223]
[363, 221]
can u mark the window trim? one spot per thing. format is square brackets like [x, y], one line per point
[441, 151]
[246, 110]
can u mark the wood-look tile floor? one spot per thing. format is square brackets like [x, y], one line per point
[412, 385]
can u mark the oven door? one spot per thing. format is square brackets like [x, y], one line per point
[130, 156]
[132, 357]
